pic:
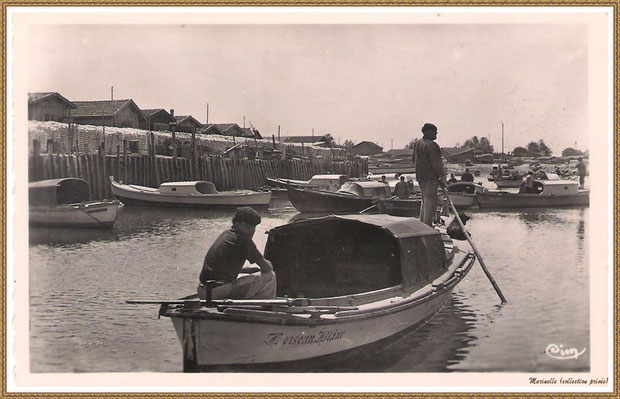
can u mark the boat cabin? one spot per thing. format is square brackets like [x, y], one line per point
[369, 188]
[465, 188]
[58, 192]
[343, 255]
[188, 188]
[556, 187]
[327, 182]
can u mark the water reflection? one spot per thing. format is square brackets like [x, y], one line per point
[437, 346]
[68, 237]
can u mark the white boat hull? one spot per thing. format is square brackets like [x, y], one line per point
[146, 196]
[238, 337]
[86, 214]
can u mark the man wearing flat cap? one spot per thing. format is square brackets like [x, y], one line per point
[429, 171]
[225, 259]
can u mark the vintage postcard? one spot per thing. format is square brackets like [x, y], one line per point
[290, 199]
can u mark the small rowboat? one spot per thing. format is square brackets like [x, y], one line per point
[344, 283]
[190, 194]
[66, 203]
[549, 193]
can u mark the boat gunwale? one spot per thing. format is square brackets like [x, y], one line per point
[428, 292]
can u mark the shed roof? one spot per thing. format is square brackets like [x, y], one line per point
[104, 108]
[377, 146]
[187, 118]
[152, 112]
[34, 98]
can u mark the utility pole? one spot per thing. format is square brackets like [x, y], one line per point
[391, 144]
[244, 122]
[207, 113]
[112, 93]
[502, 139]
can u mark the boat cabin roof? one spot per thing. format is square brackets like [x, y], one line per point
[328, 177]
[58, 192]
[369, 188]
[556, 187]
[348, 254]
[185, 187]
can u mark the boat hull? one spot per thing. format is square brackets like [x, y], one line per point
[92, 214]
[281, 183]
[463, 200]
[400, 207]
[238, 337]
[271, 343]
[515, 200]
[147, 197]
[311, 201]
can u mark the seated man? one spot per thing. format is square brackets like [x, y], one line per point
[224, 261]
[467, 176]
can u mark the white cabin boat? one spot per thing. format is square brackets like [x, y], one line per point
[549, 193]
[187, 194]
[66, 203]
[344, 282]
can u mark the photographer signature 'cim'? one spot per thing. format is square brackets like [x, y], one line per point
[561, 353]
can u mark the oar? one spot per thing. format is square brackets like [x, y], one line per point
[471, 242]
[375, 204]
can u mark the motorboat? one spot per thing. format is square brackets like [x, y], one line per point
[344, 283]
[190, 194]
[352, 197]
[66, 203]
[464, 194]
[409, 207]
[548, 193]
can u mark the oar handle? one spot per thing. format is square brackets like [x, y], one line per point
[471, 242]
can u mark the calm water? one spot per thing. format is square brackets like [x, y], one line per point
[80, 279]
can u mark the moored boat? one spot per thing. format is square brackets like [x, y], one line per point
[329, 182]
[463, 194]
[344, 283]
[192, 194]
[66, 203]
[548, 193]
[353, 196]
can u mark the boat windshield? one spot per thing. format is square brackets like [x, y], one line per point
[206, 187]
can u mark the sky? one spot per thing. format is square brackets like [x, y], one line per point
[358, 82]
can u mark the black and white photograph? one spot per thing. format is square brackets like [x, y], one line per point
[349, 199]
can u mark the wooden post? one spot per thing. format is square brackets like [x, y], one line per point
[118, 163]
[36, 161]
[194, 157]
[125, 163]
[174, 152]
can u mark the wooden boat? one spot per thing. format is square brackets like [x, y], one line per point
[344, 283]
[549, 193]
[66, 202]
[352, 197]
[187, 194]
[509, 181]
[464, 194]
[329, 182]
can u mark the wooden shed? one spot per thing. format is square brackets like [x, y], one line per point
[49, 106]
[158, 119]
[117, 113]
[187, 123]
[366, 148]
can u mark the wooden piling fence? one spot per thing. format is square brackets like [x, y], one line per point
[151, 171]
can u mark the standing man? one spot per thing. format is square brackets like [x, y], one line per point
[581, 171]
[226, 257]
[401, 189]
[429, 171]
